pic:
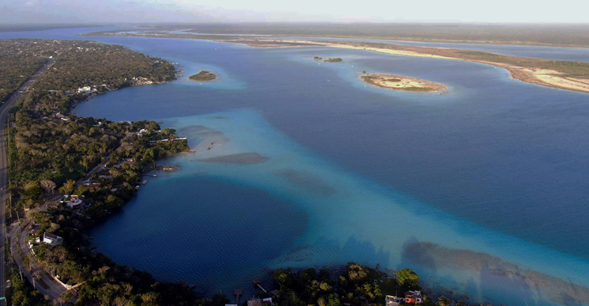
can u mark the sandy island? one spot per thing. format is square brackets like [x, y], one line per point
[398, 82]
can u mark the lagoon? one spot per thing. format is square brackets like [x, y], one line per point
[493, 173]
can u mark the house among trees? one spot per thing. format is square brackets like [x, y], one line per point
[52, 240]
[413, 297]
[71, 201]
[392, 300]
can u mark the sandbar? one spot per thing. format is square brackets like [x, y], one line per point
[398, 82]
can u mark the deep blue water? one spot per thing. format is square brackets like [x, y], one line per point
[496, 166]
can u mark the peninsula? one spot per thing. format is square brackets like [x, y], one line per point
[397, 82]
[68, 173]
[203, 76]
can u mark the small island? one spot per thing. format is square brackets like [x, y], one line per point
[404, 83]
[203, 76]
[333, 60]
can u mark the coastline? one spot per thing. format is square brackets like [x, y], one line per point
[96, 210]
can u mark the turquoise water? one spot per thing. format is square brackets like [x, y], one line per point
[482, 190]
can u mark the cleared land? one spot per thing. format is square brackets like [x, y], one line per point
[398, 82]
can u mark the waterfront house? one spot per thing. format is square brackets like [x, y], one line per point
[413, 297]
[51, 239]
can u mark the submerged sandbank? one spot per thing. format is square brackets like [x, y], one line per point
[248, 158]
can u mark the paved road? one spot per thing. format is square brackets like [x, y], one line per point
[4, 162]
[45, 283]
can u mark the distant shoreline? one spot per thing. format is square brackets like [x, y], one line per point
[565, 75]
[162, 32]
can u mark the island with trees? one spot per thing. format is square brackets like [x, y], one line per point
[333, 60]
[397, 82]
[203, 76]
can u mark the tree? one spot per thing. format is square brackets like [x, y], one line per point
[356, 272]
[68, 187]
[48, 185]
[154, 126]
[407, 277]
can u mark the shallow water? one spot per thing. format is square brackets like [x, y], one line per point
[491, 174]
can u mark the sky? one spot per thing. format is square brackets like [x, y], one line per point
[13, 12]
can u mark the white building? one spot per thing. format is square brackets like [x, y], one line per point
[84, 89]
[51, 239]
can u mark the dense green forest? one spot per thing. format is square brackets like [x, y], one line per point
[19, 59]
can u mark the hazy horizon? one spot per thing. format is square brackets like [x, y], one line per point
[16, 12]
